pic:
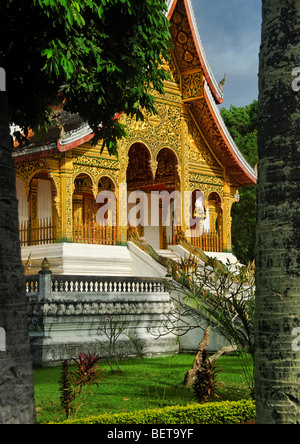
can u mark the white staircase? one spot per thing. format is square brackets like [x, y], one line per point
[169, 254]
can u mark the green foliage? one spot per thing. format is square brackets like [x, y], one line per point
[87, 371]
[104, 55]
[244, 225]
[210, 413]
[242, 124]
[148, 384]
[206, 385]
[225, 296]
[74, 386]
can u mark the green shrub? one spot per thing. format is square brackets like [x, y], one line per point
[210, 413]
[206, 385]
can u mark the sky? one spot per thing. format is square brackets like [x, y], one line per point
[230, 31]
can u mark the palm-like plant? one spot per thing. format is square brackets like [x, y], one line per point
[206, 384]
[225, 297]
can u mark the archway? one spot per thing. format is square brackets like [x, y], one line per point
[152, 200]
[84, 210]
[167, 183]
[139, 185]
[88, 228]
[106, 230]
[167, 170]
[206, 231]
[198, 214]
[214, 240]
[39, 228]
[139, 172]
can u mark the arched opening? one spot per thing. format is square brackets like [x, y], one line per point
[167, 182]
[153, 201]
[198, 212]
[206, 226]
[84, 209]
[167, 170]
[88, 228]
[106, 232]
[37, 223]
[139, 173]
[139, 185]
[215, 212]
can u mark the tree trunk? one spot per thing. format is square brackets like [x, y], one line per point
[277, 361]
[191, 374]
[16, 376]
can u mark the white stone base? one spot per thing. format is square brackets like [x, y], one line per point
[68, 324]
[93, 260]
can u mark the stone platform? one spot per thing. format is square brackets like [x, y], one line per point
[93, 260]
[71, 315]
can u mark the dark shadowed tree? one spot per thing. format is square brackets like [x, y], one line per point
[277, 362]
[104, 56]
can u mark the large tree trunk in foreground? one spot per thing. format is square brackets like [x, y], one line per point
[16, 376]
[277, 364]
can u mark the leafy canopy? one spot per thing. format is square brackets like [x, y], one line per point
[243, 126]
[105, 55]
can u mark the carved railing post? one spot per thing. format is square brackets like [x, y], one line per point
[45, 281]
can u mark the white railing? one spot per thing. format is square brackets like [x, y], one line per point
[84, 284]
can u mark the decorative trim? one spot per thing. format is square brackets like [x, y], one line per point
[75, 138]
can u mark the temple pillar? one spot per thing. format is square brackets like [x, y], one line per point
[227, 222]
[77, 209]
[184, 182]
[33, 212]
[122, 224]
[33, 200]
[227, 219]
[66, 172]
[54, 212]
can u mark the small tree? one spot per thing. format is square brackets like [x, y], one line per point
[75, 386]
[206, 384]
[112, 329]
[224, 295]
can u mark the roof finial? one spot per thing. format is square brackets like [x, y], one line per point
[62, 129]
[222, 83]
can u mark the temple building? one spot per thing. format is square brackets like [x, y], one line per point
[184, 150]
[113, 228]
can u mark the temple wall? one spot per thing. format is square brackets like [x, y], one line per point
[44, 199]
[79, 314]
[69, 315]
[22, 200]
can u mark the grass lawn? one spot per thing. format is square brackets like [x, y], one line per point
[142, 384]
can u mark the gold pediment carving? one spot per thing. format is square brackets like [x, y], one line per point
[192, 86]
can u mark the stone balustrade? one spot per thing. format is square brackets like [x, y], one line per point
[68, 314]
[84, 284]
